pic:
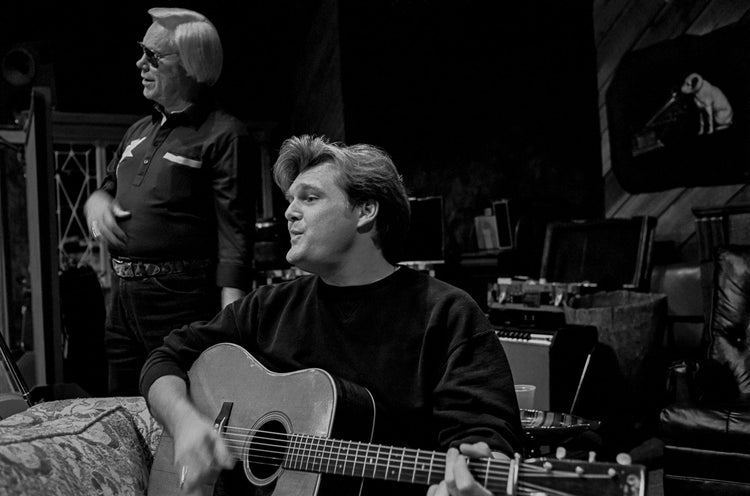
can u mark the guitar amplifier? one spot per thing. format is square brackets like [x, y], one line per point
[553, 359]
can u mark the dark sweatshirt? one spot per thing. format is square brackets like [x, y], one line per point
[423, 348]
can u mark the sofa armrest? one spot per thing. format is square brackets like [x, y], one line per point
[78, 446]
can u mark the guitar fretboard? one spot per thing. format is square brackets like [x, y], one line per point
[373, 461]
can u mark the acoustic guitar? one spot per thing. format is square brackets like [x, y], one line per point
[307, 432]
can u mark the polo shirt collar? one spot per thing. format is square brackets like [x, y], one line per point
[194, 114]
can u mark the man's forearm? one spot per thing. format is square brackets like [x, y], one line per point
[169, 403]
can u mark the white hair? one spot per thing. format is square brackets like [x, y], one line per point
[196, 40]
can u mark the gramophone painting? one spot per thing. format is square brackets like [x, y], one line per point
[711, 110]
[678, 113]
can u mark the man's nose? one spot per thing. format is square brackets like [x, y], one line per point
[142, 63]
[292, 212]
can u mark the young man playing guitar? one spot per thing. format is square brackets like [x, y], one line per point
[423, 349]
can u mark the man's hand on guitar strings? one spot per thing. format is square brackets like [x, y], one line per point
[458, 479]
[199, 452]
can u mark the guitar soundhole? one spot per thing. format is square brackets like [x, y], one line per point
[266, 448]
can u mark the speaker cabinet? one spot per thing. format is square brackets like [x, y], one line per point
[554, 360]
[23, 66]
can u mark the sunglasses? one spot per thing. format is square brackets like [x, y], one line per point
[153, 57]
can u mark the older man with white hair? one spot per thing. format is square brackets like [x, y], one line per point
[176, 208]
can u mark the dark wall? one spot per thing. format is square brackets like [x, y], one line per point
[478, 101]
[92, 49]
[318, 105]
[474, 100]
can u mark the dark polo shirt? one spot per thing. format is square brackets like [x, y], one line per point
[188, 181]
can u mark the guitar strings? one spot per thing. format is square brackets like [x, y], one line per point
[320, 455]
[305, 442]
[498, 481]
[322, 451]
[323, 456]
[492, 482]
[327, 447]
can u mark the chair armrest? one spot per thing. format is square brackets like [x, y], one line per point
[715, 382]
[705, 381]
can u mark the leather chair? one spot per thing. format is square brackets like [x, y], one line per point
[706, 430]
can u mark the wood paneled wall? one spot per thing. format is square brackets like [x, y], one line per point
[621, 26]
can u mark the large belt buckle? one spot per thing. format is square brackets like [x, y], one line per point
[123, 268]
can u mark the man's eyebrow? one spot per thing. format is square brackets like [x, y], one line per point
[305, 187]
[301, 188]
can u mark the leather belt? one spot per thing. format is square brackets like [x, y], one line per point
[135, 269]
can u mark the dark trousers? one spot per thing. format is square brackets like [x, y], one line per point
[143, 311]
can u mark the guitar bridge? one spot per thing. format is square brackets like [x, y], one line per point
[223, 417]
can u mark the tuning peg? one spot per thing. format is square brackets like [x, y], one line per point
[547, 466]
[624, 459]
[579, 470]
[560, 452]
[592, 456]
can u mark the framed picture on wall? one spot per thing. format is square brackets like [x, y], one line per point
[678, 112]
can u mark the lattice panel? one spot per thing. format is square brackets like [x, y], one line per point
[77, 172]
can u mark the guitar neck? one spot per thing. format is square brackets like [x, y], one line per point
[314, 454]
[372, 461]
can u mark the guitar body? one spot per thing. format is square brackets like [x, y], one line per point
[308, 402]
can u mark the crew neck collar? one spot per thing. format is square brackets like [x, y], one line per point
[355, 290]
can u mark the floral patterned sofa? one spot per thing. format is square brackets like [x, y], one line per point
[83, 446]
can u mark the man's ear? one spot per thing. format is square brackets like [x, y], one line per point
[368, 211]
